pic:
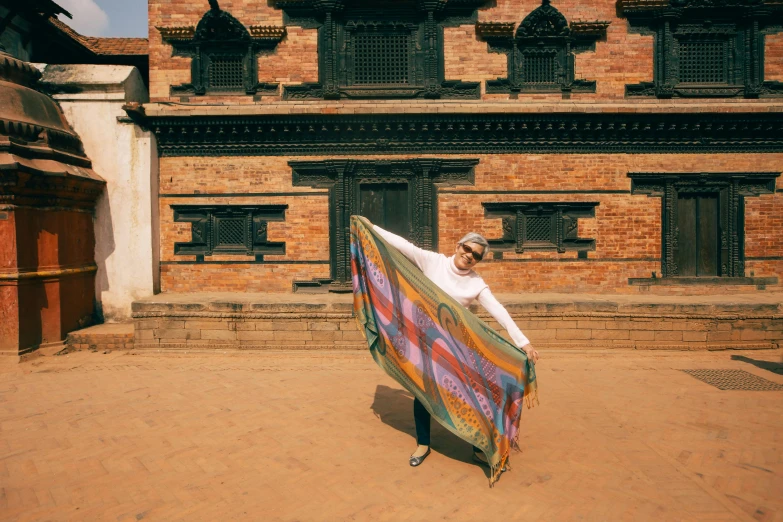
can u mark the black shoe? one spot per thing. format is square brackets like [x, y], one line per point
[415, 461]
[483, 462]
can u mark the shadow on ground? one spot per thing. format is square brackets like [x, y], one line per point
[774, 367]
[395, 408]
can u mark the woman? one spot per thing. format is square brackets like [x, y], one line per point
[455, 276]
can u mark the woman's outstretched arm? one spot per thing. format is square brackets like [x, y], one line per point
[420, 257]
[501, 315]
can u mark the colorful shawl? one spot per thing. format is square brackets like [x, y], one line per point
[467, 376]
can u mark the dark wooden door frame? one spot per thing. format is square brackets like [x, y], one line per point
[733, 189]
[343, 177]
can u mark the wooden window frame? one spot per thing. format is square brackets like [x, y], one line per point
[204, 220]
[337, 21]
[741, 24]
[564, 229]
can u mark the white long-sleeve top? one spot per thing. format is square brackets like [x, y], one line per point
[462, 285]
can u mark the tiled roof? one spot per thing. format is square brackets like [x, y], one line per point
[124, 46]
[104, 46]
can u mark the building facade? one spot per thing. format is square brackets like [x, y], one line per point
[601, 147]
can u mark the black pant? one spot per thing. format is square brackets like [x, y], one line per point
[422, 420]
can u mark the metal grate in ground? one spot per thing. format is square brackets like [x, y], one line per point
[734, 380]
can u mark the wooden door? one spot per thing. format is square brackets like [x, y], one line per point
[386, 205]
[698, 241]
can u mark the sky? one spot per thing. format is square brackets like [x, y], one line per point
[126, 18]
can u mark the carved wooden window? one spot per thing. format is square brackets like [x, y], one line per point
[703, 219]
[541, 226]
[383, 49]
[703, 61]
[387, 205]
[227, 229]
[541, 53]
[225, 73]
[539, 66]
[400, 194]
[223, 54]
[706, 48]
[381, 57]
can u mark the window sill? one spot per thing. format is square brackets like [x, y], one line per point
[760, 282]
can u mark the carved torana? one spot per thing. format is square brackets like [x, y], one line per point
[541, 53]
[223, 54]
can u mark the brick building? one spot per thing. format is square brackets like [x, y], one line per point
[601, 147]
[622, 158]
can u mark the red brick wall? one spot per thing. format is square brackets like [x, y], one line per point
[623, 57]
[773, 57]
[627, 228]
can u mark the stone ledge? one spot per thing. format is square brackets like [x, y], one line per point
[717, 281]
[211, 322]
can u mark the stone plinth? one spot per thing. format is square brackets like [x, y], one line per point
[212, 321]
[221, 321]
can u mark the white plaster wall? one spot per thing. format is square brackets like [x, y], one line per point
[126, 157]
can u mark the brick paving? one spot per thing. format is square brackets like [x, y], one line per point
[300, 436]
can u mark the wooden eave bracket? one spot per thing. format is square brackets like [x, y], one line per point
[182, 33]
[583, 29]
[267, 32]
[626, 6]
[647, 6]
[495, 30]
[258, 33]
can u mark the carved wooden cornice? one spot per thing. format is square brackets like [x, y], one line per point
[444, 133]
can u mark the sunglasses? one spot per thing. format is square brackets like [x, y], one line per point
[468, 250]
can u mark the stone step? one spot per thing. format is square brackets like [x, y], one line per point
[102, 337]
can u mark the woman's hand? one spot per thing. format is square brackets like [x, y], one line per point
[532, 353]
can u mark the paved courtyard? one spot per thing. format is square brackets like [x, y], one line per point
[619, 435]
